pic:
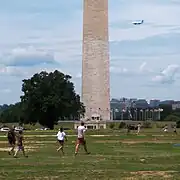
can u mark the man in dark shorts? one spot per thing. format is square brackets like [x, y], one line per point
[11, 139]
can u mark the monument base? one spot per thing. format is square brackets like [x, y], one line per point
[91, 124]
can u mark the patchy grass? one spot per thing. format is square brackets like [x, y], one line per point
[116, 156]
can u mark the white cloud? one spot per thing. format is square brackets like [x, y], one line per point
[27, 57]
[145, 68]
[79, 75]
[119, 70]
[131, 71]
[5, 91]
[167, 76]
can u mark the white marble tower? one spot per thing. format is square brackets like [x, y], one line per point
[95, 60]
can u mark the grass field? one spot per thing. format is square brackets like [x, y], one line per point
[117, 156]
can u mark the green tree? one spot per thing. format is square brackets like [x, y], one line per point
[172, 118]
[176, 112]
[13, 113]
[49, 97]
[167, 110]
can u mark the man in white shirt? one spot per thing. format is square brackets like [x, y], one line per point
[61, 136]
[81, 139]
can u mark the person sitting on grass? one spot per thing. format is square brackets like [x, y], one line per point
[20, 144]
[11, 140]
[61, 136]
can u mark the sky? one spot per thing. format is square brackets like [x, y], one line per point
[46, 35]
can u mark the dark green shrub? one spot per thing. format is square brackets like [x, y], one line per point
[112, 125]
[172, 118]
[122, 125]
[178, 124]
[147, 125]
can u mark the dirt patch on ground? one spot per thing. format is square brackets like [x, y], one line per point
[108, 141]
[135, 141]
[100, 135]
[45, 177]
[40, 142]
[27, 148]
[31, 142]
[146, 141]
[147, 174]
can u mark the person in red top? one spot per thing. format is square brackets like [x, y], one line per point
[81, 139]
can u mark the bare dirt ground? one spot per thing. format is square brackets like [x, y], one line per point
[136, 141]
[150, 174]
[27, 148]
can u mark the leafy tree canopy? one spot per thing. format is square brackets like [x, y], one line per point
[47, 98]
[11, 114]
[172, 118]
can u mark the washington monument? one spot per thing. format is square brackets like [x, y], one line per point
[95, 60]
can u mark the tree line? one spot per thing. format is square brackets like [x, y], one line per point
[47, 98]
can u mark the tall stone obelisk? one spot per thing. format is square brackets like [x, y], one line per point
[95, 62]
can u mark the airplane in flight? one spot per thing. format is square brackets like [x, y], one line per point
[138, 22]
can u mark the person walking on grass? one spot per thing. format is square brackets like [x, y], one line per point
[11, 140]
[165, 129]
[20, 146]
[174, 129]
[81, 139]
[61, 136]
[138, 128]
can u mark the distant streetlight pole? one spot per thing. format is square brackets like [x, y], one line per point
[151, 114]
[111, 113]
[122, 114]
[141, 114]
[115, 111]
[159, 113]
[155, 114]
[147, 112]
[135, 114]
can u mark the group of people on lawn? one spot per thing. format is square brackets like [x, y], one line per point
[12, 139]
[61, 137]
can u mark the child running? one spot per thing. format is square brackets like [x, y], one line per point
[61, 136]
[20, 144]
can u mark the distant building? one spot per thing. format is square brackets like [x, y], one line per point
[154, 103]
[167, 102]
[141, 104]
[176, 105]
